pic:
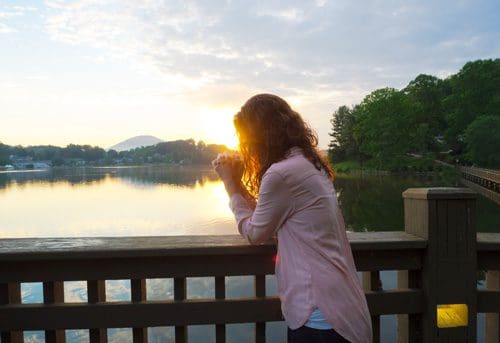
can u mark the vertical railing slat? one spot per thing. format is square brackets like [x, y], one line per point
[408, 330]
[53, 293]
[375, 285]
[260, 292]
[138, 294]
[10, 293]
[220, 293]
[492, 327]
[371, 282]
[96, 292]
[181, 335]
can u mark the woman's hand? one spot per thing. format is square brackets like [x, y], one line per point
[230, 170]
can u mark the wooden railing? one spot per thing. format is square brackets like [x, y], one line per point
[437, 258]
[487, 178]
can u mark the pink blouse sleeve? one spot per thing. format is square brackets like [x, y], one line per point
[273, 206]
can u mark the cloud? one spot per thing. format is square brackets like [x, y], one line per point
[6, 29]
[329, 51]
[9, 13]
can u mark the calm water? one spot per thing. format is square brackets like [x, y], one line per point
[140, 201]
[179, 201]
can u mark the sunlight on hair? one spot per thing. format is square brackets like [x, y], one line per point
[217, 125]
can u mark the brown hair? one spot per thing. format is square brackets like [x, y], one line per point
[267, 128]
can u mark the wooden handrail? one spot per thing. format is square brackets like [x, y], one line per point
[434, 219]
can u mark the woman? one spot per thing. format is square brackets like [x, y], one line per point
[283, 187]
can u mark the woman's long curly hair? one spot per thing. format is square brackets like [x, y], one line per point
[267, 128]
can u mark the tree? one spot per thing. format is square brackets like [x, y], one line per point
[482, 138]
[475, 91]
[4, 154]
[382, 126]
[343, 144]
[425, 94]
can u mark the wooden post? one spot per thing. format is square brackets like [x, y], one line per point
[445, 217]
[10, 293]
[492, 329]
[53, 293]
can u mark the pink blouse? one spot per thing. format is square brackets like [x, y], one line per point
[315, 267]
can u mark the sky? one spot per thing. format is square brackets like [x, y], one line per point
[100, 71]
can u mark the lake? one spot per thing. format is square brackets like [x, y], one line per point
[181, 200]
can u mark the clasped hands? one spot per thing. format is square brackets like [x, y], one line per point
[229, 167]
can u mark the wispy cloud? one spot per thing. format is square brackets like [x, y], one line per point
[8, 13]
[319, 54]
[265, 44]
[6, 29]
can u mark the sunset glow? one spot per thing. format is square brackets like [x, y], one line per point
[218, 127]
[98, 72]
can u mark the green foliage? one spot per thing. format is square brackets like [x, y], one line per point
[426, 118]
[4, 154]
[346, 166]
[180, 151]
[344, 143]
[382, 127]
[482, 137]
[429, 117]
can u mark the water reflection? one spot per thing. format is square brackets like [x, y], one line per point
[139, 201]
[114, 202]
[142, 176]
[374, 202]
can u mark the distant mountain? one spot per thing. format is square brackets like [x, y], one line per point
[136, 142]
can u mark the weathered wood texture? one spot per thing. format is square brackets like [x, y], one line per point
[10, 293]
[178, 313]
[154, 257]
[53, 293]
[492, 318]
[96, 293]
[487, 174]
[445, 217]
[490, 194]
[409, 326]
[437, 258]
[30, 249]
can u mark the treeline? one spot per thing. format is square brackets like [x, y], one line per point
[55, 155]
[179, 151]
[456, 119]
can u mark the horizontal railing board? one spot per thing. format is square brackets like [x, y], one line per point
[488, 260]
[136, 268]
[488, 301]
[172, 313]
[395, 301]
[488, 241]
[385, 240]
[106, 247]
[182, 266]
[369, 260]
[488, 174]
[138, 314]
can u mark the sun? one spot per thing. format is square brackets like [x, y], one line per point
[218, 127]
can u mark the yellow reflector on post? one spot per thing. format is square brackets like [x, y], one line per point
[452, 315]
